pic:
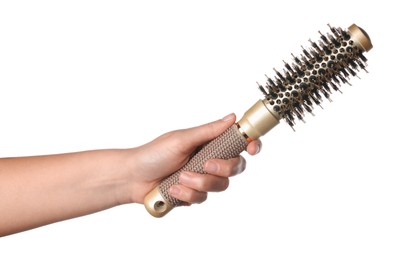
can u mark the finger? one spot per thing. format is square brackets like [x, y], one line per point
[203, 182]
[225, 168]
[186, 194]
[254, 147]
[197, 136]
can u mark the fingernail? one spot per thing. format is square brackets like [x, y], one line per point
[258, 148]
[228, 118]
[174, 190]
[211, 167]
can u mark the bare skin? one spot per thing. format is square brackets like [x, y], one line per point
[39, 190]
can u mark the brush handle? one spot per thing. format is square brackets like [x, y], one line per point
[228, 145]
[256, 122]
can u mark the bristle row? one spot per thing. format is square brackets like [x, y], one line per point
[318, 72]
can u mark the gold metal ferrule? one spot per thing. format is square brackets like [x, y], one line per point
[257, 121]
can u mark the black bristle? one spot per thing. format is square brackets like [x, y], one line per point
[298, 61]
[273, 95]
[300, 73]
[318, 57]
[362, 65]
[290, 78]
[315, 46]
[279, 75]
[307, 100]
[315, 100]
[326, 50]
[326, 87]
[281, 87]
[352, 63]
[344, 72]
[308, 64]
[351, 72]
[324, 39]
[334, 86]
[263, 90]
[270, 81]
[345, 35]
[306, 53]
[362, 57]
[335, 79]
[288, 67]
[332, 29]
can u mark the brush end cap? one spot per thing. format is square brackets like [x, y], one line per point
[361, 37]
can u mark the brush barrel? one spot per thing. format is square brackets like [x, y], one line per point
[257, 121]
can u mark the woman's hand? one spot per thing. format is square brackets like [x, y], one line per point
[169, 152]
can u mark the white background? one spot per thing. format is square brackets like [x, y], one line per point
[79, 75]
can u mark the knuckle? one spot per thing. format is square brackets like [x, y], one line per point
[233, 167]
[228, 168]
[193, 196]
[200, 183]
[211, 128]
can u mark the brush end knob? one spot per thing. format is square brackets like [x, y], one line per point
[156, 205]
[360, 37]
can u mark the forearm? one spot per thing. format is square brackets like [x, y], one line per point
[39, 190]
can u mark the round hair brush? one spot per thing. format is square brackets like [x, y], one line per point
[302, 84]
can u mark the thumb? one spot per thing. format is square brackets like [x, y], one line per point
[199, 135]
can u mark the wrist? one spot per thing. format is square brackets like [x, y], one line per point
[135, 182]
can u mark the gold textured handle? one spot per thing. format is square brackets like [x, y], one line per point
[228, 145]
[257, 121]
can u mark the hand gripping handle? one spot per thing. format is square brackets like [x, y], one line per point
[228, 145]
[257, 121]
